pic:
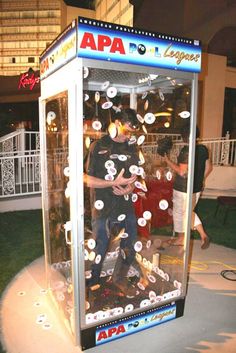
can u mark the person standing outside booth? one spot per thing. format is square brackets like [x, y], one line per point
[202, 169]
[112, 207]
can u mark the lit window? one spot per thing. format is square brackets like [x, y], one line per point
[31, 59]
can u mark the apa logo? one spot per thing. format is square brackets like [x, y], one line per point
[113, 331]
[141, 49]
[102, 43]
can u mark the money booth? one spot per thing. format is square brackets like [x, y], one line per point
[94, 184]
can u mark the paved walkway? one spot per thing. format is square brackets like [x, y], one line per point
[208, 325]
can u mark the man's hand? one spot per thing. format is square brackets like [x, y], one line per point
[120, 180]
[120, 190]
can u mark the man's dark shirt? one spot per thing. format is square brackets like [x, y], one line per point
[201, 156]
[101, 151]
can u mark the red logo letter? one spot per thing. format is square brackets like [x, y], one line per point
[117, 45]
[88, 41]
[103, 41]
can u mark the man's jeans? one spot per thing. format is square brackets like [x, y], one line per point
[104, 229]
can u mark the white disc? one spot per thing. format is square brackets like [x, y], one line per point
[141, 171]
[152, 294]
[112, 130]
[86, 72]
[86, 97]
[141, 139]
[109, 164]
[140, 118]
[96, 125]
[146, 104]
[114, 156]
[124, 235]
[144, 95]
[86, 254]
[169, 176]
[158, 174]
[122, 157]
[99, 204]
[129, 308]
[112, 170]
[51, 116]
[142, 222]
[138, 185]
[97, 97]
[149, 242]
[167, 277]
[144, 303]
[105, 85]
[184, 114]
[149, 118]
[111, 92]
[66, 171]
[107, 105]
[132, 140]
[161, 95]
[109, 177]
[91, 244]
[134, 197]
[141, 286]
[144, 129]
[98, 259]
[92, 255]
[123, 254]
[133, 169]
[151, 278]
[138, 246]
[121, 217]
[147, 215]
[163, 204]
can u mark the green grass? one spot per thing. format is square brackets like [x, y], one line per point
[21, 242]
[222, 234]
[21, 236]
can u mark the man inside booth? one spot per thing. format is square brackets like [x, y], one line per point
[112, 210]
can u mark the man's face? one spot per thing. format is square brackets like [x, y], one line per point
[125, 130]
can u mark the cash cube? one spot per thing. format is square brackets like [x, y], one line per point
[114, 100]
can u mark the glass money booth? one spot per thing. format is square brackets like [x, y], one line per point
[113, 103]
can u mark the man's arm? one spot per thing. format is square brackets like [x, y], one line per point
[181, 168]
[208, 168]
[98, 183]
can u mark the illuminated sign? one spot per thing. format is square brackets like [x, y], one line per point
[61, 51]
[116, 43]
[109, 332]
[28, 80]
[99, 40]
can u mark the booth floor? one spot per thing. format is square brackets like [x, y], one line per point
[29, 324]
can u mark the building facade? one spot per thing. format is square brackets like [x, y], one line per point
[28, 26]
[115, 11]
[26, 29]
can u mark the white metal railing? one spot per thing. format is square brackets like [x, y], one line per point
[222, 152]
[20, 174]
[20, 162]
[20, 141]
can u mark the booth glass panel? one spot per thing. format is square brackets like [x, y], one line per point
[153, 254]
[58, 225]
